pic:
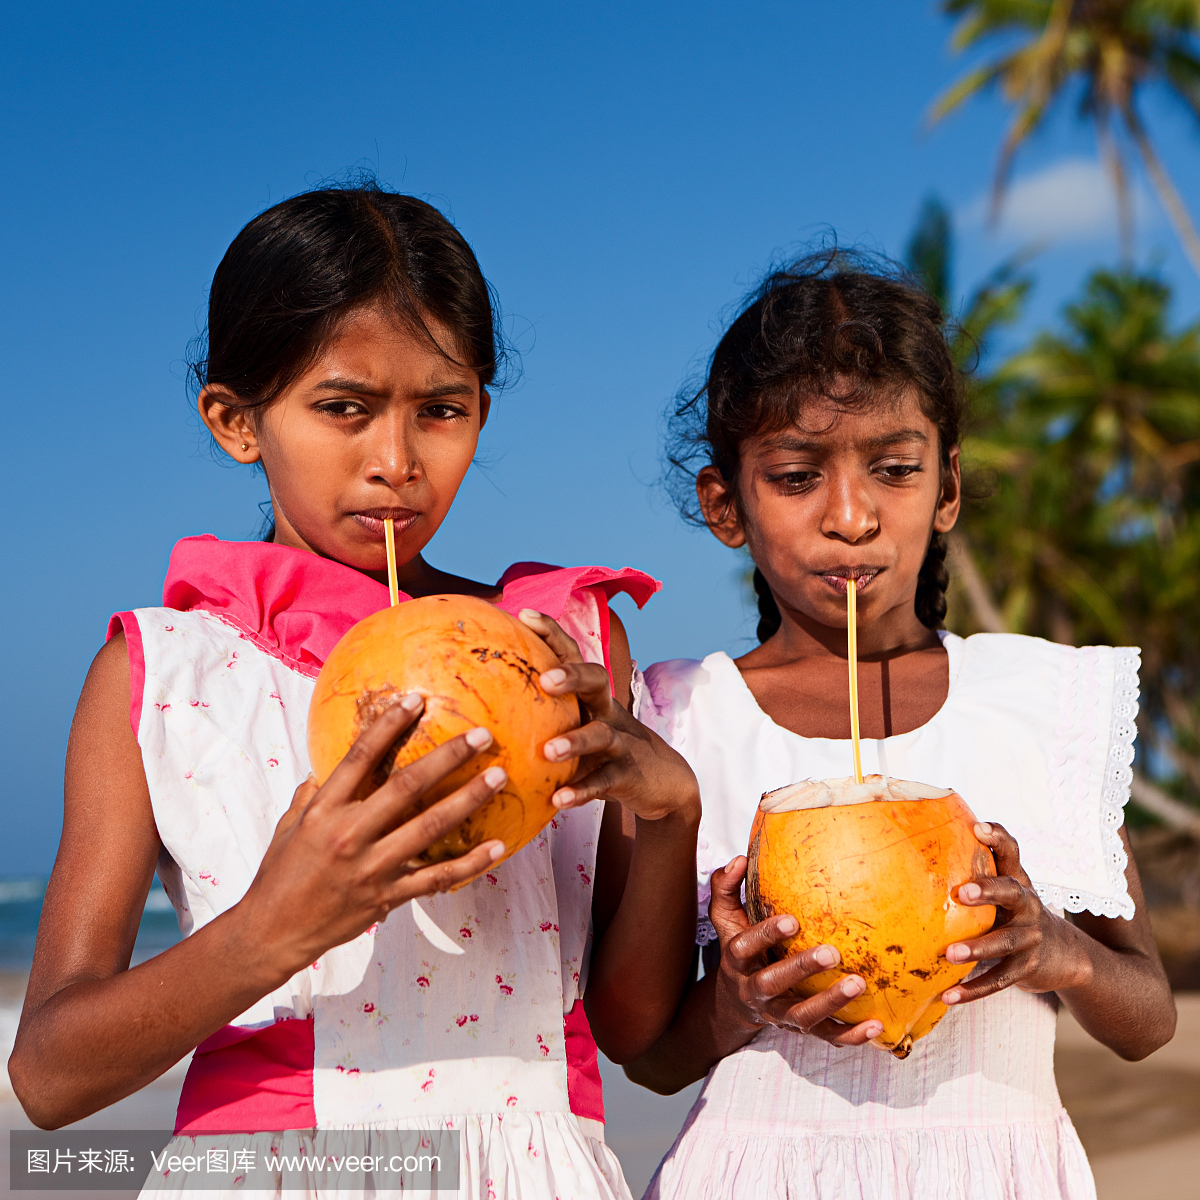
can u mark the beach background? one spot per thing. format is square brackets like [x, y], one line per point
[625, 173]
[1140, 1122]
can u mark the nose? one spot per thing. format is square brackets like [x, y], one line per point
[390, 455]
[850, 515]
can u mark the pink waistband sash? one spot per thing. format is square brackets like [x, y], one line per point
[585, 1091]
[261, 1081]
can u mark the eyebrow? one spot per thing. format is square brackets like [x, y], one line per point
[804, 445]
[434, 391]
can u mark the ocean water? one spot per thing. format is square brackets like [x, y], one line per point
[20, 909]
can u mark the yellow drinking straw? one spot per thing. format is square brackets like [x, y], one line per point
[389, 535]
[852, 655]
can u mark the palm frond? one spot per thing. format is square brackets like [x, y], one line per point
[1182, 71]
[969, 85]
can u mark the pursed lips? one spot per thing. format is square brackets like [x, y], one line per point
[862, 576]
[372, 519]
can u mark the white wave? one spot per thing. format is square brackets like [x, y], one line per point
[158, 901]
[13, 891]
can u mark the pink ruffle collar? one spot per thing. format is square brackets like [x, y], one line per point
[296, 606]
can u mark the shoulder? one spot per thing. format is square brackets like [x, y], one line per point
[986, 657]
[668, 700]
[110, 668]
[675, 676]
[105, 699]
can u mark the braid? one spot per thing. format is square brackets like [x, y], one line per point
[932, 582]
[769, 619]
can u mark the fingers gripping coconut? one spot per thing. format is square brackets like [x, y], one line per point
[872, 869]
[475, 666]
[525, 682]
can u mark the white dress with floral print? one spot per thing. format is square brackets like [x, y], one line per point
[405, 1036]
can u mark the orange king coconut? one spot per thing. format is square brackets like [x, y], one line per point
[873, 869]
[475, 665]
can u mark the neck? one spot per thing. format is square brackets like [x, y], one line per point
[414, 578]
[893, 633]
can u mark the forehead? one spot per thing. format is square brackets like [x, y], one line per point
[826, 424]
[374, 343]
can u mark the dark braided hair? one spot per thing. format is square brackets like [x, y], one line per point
[769, 618]
[839, 325]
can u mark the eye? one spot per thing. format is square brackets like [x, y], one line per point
[442, 411]
[898, 471]
[343, 408]
[794, 480]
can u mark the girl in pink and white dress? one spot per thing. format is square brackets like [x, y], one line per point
[828, 440]
[350, 345]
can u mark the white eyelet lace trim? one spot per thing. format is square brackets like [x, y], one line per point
[1118, 776]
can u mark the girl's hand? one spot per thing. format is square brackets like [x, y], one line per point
[336, 866]
[620, 759]
[752, 993]
[1038, 951]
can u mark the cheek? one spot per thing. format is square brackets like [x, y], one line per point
[303, 461]
[446, 457]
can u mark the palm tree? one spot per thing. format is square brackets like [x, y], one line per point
[1113, 50]
[1089, 443]
[1092, 531]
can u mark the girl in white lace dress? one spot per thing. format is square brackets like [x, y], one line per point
[828, 436]
[350, 345]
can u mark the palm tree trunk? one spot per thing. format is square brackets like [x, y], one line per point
[1149, 796]
[1116, 168]
[1170, 198]
[1172, 813]
[987, 616]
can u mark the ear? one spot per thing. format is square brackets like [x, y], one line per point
[718, 504]
[485, 406]
[229, 423]
[950, 501]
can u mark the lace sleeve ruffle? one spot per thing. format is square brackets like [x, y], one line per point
[1118, 776]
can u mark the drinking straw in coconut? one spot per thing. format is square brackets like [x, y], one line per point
[852, 656]
[389, 536]
[424, 922]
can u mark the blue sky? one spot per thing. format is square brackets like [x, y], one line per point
[623, 172]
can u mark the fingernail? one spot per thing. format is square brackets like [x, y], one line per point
[554, 678]
[951, 997]
[874, 1029]
[494, 776]
[957, 953]
[983, 829]
[729, 865]
[970, 891]
[412, 702]
[478, 738]
[497, 851]
[827, 956]
[853, 986]
[563, 798]
[558, 748]
[787, 926]
[530, 614]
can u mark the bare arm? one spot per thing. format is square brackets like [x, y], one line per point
[1106, 970]
[92, 1030]
[644, 905]
[741, 994]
